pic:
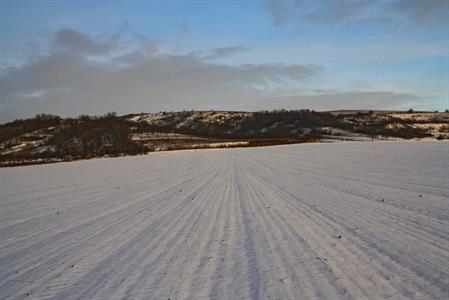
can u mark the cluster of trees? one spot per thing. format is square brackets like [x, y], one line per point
[406, 131]
[285, 124]
[95, 136]
[82, 137]
[276, 124]
[20, 126]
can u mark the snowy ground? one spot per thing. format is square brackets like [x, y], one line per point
[327, 221]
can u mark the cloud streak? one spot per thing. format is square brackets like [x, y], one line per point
[353, 100]
[224, 52]
[67, 39]
[384, 13]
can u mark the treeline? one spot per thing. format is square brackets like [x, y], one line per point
[283, 124]
[20, 126]
[276, 124]
[52, 137]
[81, 137]
[95, 136]
[405, 131]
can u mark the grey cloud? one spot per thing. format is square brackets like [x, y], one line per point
[68, 39]
[349, 100]
[284, 12]
[277, 72]
[183, 35]
[333, 12]
[69, 83]
[423, 12]
[217, 53]
[225, 51]
[144, 42]
[279, 10]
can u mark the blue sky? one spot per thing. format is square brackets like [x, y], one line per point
[87, 57]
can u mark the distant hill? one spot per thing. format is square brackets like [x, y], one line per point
[48, 138]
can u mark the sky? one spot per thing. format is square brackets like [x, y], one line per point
[92, 57]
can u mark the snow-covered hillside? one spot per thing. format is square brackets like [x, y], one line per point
[328, 221]
[48, 138]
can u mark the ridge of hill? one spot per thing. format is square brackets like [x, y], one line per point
[49, 138]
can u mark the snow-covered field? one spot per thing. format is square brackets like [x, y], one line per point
[327, 221]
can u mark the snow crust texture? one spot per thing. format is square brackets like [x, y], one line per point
[311, 221]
